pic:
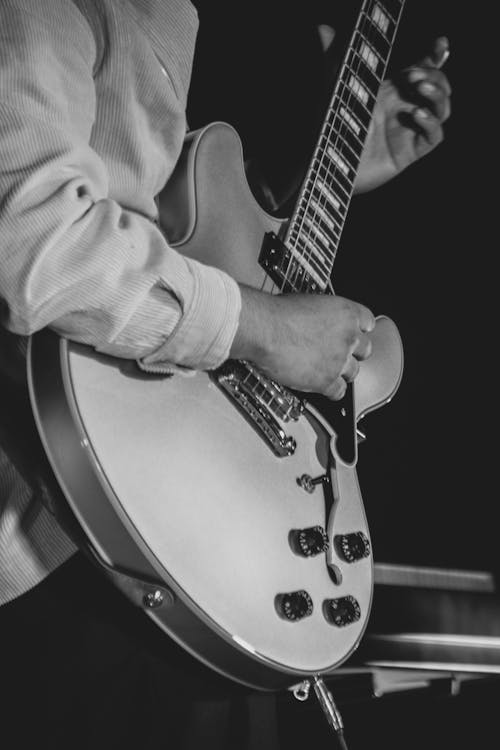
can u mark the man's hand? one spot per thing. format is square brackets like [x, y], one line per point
[305, 341]
[407, 121]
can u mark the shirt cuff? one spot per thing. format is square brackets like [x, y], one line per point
[203, 336]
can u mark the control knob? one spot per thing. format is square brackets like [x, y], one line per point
[309, 542]
[352, 547]
[295, 605]
[342, 611]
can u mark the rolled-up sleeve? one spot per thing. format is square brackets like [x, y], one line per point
[72, 257]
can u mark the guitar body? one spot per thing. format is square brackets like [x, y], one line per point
[180, 494]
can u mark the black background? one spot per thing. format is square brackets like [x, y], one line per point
[420, 250]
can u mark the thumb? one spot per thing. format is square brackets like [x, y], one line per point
[439, 54]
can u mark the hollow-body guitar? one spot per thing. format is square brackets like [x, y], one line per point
[223, 503]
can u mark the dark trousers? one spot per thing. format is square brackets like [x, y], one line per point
[82, 669]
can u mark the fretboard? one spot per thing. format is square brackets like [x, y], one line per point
[316, 225]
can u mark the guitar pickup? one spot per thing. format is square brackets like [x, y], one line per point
[284, 268]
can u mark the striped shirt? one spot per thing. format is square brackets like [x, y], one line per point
[92, 121]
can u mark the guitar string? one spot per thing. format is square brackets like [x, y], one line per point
[331, 176]
[355, 66]
[364, 22]
[365, 31]
[301, 211]
[311, 183]
[338, 97]
[369, 37]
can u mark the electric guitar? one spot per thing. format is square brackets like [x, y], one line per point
[225, 505]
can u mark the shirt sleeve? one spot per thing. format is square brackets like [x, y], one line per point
[71, 257]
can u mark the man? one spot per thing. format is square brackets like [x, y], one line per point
[92, 120]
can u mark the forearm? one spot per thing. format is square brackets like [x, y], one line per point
[77, 255]
[307, 342]
[106, 276]
[253, 336]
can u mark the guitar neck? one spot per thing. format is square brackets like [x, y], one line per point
[316, 225]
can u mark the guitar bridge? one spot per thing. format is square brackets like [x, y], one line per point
[262, 401]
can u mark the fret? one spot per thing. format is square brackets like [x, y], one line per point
[327, 214]
[331, 233]
[321, 234]
[323, 252]
[373, 35]
[308, 248]
[335, 159]
[367, 53]
[336, 202]
[381, 19]
[340, 158]
[301, 281]
[339, 134]
[354, 106]
[335, 185]
[354, 125]
[366, 62]
[308, 263]
[357, 99]
[321, 216]
[305, 253]
[331, 191]
[333, 164]
[357, 67]
[356, 87]
[346, 140]
[324, 195]
[339, 162]
[328, 211]
[358, 114]
[320, 194]
[336, 181]
[392, 8]
[316, 226]
[328, 232]
[330, 161]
